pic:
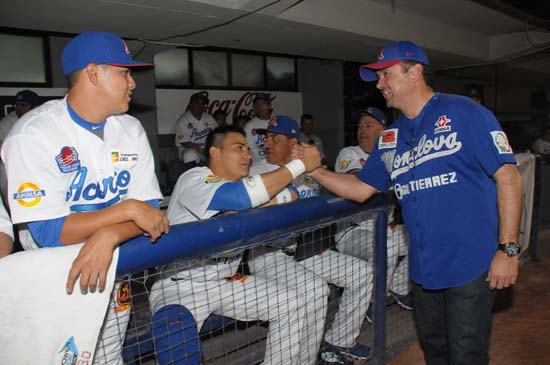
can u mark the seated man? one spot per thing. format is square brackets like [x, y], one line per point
[350, 160]
[350, 273]
[216, 285]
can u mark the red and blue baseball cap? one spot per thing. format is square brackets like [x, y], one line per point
[282, 124]
[101, 48]
[391, 55]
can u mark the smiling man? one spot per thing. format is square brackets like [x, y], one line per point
[217, 285]
[455, 176]
[81, 170]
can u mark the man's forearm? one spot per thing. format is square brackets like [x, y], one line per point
[509, 189]
[79, 227]
[345, 185]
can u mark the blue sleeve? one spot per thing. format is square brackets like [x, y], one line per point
[230, 196]
[154, 202]
[374, 172]
[47, 233]
[490, 144]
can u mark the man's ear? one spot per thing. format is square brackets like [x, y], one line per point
[92, 72]
[214, 153]
[416, 72]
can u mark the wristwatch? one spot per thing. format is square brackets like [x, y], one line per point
[511, 249]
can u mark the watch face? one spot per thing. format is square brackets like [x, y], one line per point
[511, 250]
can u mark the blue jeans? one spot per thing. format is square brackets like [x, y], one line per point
[454, 324]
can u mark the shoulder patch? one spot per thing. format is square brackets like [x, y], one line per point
[344, 164]
[388, 139]
[212, 179]
[501, 142]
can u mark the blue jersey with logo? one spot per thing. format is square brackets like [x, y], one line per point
[441, 165]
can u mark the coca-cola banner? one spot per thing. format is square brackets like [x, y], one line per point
[171, 103]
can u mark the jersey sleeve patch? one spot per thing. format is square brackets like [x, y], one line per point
[501, 142]
[344, 164]
[212, 179]
[388, 139]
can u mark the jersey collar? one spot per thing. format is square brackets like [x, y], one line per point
[94, 127]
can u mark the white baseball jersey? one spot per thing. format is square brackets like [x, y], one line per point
[359, 241]
[189, 129]
[6, 125]
[350, 158]
[205, 287]
[190, 199]
[350, 273]
[316, 141]
[256, 141]
[57, 167]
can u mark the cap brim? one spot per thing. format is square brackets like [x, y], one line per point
[367, 72]
[131, 64]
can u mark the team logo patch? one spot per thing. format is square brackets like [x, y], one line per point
[442, 124]
[119, 157]
[29, 194]
[344, 164]
[501, 142]
[123, 297]
[388, 139]
[212, 179]
[67, 160]
[362, 161]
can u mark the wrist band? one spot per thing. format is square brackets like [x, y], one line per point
[296, 168]
[256, 190]
[284, 196]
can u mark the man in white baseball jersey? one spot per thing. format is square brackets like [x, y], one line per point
[350, 273]
[81, 170]
[192, 128]
[215, 286]
[350, 160]
[262, 108]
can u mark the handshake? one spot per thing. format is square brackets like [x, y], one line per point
[308, 154]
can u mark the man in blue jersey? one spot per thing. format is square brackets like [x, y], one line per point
[455, 176]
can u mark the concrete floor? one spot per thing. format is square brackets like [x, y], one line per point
[521, 321]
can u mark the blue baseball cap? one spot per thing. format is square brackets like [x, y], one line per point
[27, 96]
[101, 48]
[391, 55]
[282, 124]
[376, 113]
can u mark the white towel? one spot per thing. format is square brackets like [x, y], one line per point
[39, 322]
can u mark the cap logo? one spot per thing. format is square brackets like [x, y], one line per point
[125, 47]
[273, 122]
[370, 110]
[381, 55]
[409, 54]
